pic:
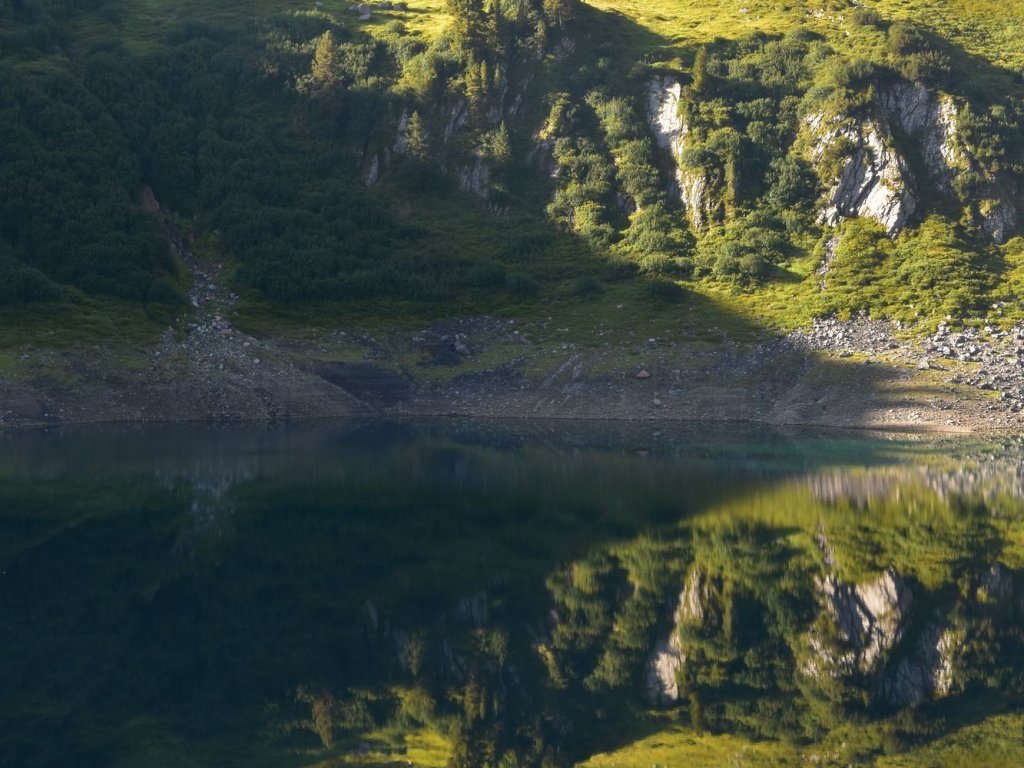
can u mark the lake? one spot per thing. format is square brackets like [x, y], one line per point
[499, 594]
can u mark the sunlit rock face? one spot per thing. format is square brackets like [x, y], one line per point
[663, 666]
[932, 120]
[928, 671]
[699, 606]
[874, 181]
[690, 186]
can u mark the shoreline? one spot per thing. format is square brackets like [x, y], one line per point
[819, 391]
[858, 374]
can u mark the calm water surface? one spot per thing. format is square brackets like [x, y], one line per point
[481, 594]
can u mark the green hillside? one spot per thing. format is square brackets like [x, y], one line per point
[515, 158]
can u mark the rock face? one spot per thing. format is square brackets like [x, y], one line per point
[663, 96]
[455, 118]
[999, 217]
[931, 120]
[663, 665]
[690, 186]
[376, 165]
[400, 144]
[874, 181]
[869, 620]
[149, 202]
[475, 177]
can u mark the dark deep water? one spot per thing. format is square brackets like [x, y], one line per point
[508, 595]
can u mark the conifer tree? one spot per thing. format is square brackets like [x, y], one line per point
[558, 12]
[501, 146]
[700, 70]
[416, 140]
[326, 69]
[469, 23]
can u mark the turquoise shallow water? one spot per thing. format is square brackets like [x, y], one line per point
[499, 594]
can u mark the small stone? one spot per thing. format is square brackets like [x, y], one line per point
[924, 365]
[643, 375]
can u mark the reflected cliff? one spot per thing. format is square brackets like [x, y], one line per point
[483, 594]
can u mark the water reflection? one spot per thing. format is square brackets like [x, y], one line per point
[484, 594]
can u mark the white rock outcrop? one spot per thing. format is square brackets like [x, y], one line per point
[663, 666]
[927, 673]
[931, 120]
[663, 97]
[874, 182]
[689, 186]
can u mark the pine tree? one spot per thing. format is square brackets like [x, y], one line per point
[475, 85]
[416, 144]
[326, 70]
[732, 185]
[700, 70]
[558, 12]
[501, 146]
[469, 23]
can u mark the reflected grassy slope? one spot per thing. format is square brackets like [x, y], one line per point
[375, 596]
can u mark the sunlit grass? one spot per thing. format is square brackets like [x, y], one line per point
[681, 746]
[989, 29]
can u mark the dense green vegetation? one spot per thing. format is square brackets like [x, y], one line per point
[326, 154]
[260, 133]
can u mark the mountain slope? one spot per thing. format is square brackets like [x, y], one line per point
[685, 170]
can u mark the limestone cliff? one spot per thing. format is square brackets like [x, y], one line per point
[690, 186]
[873, 181]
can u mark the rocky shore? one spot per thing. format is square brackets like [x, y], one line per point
[858, 373]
